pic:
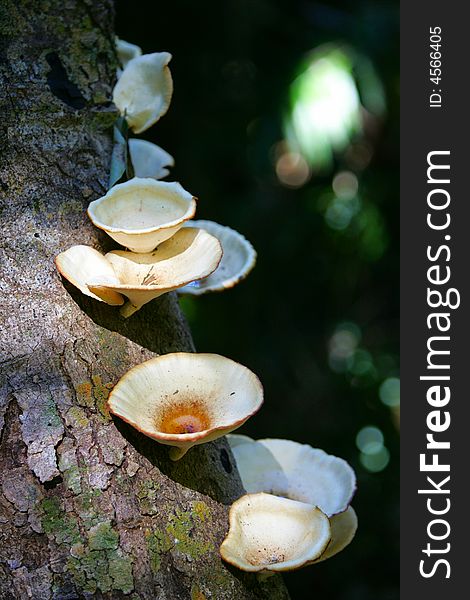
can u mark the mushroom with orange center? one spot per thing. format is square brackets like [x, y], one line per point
[183, 399]
[296, 471]
[238, 260]
[144, 90]
[142, 212]
[268, 533]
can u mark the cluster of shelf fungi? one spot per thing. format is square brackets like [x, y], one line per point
[297, 508]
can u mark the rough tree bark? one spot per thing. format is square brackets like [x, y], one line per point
[88, 507]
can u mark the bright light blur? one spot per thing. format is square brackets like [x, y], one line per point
[325, 107]
[337, 91]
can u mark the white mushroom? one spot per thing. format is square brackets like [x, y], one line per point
[183, 399]
[149, 160]
[343, 529]
[188, 255]
[80, 264]
[238, 260]
[144, 89]
[126, 52]
[295, 471]
[268, 533]
[142, 213]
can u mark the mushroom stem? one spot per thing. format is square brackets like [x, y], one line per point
[129, 309]
[176, 452]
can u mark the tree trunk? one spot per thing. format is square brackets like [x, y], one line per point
[89, 508]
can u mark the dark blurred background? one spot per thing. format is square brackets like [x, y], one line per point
[284, 123]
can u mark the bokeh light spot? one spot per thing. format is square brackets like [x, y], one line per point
[377, 461]
[292, 169]
[359, 155]
[369, 440]
[340, 212]
[389, 392]
[345, 185]
[362, 363]
[342, 346]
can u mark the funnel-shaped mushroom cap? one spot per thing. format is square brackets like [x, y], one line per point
[295, 471]
[142, 213]
[82, 264]
[144, 89]
[183, 399]
[238, 260]
[149, 160]
[268, 533]
[126, 52]
[188, 255]
[343, 529]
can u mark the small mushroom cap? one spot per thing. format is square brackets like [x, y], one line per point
[142, 213]
[183, 399]
[188, 255]
[295, 471]
[81, 264]
[149, 160]
[144, 89]
[126, 52]
[268, 533]
[343, 529]
[238, 260]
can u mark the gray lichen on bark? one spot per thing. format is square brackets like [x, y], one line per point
[88, 507]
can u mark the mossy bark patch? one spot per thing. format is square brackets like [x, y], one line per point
[103, 537]
[63, 528]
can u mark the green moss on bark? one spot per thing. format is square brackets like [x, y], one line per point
[57, 523]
